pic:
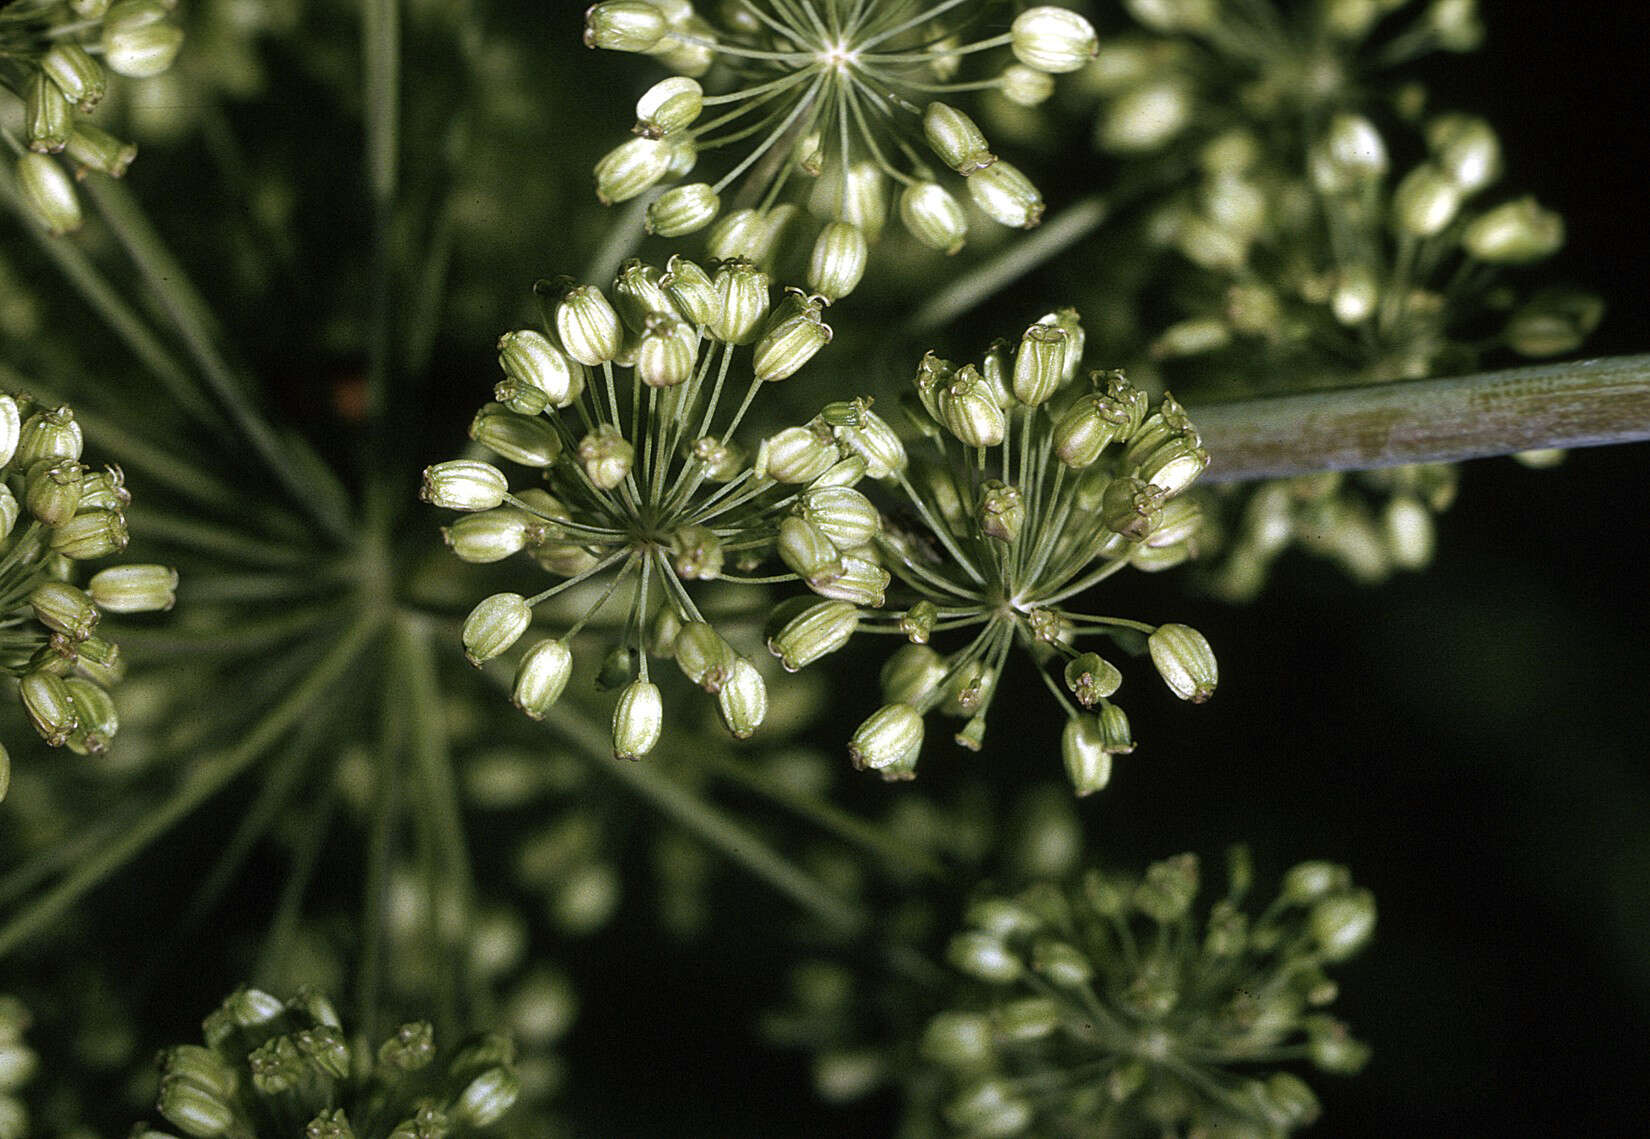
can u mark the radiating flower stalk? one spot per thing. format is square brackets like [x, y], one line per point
[829, 108]
[271, 1068]
[55, 59]
[1030, 486]
[1116, 1005]
[55, 512]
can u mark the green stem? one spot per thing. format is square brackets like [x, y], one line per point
[1583, 403]
[381, 84]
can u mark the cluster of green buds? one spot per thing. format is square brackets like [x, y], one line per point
[624, 408]
[55, 512]
[1117, 1006]
[1191, 69]
[55, 56]
[835, 105]
[18, 1063]
[270, 1068]
[1030, 486]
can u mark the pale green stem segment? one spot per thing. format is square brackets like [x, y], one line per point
[1583, 403]
[206, 779]
[381, 84]
[1021, 256]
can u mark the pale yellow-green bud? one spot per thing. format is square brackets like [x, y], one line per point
[667, 351]
[691, 288]
[134, 588]
[1185, 662]
[98, 720]
[631, 168]
[541, 677]
[194, 1109]
[890, 735]
[1174, 15]
[50, 434]
[742, 302]
[1456, 25]
[668, 106]
[530, 359]
[969, 411]
[743, 700]
[46, 116]
[75, 73]
[639, 293]
[52, 490]
[1342, 923]
[911, 673]
[1426, 201]
[91, 148]
[855, 579]
[1357, 292]
[870, 438]
[1175, 465]
[796, 455]
[494, 625]
[983, 955]
[606, 456]
[696, 553]
[844, 515]
[1006, 195]
[91, 534]
[486, 1098]
[1145, 117]
[464, 484]
[1516, 233]
[490, 536]
[682, 210]
[1002, 510]
[805, 549]
[838, 260]
[1553, 322]
[624, 25]
[50, 709]
[1407, 526]
[1115, 735]
[704, 656]
[1180, 522]
[531, 441]
[1025, 86]
[1091, 678]
[638, 720]
[138, 42]
[588, 326]
[49, 193]
[1087, 428]
[956, 138]
[1355, 148]
[1054, 40]
[1040, 363]
[1062, 964]
[933, 216]
[1466, 149]
[1350, 20]
[817, 631]
[961, 1040]
[64, 609]
[11, 428]
[788, 344]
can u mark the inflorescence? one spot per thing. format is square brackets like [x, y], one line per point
[1113, 1006]
[55, 512]
[1028, 489]
[836, 102]
[49, 60]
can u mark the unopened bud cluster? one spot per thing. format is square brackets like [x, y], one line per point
[58, 57]
[833, 116]
[629, 407]
[55, 511]
[275, 1068]
[1121, 1005]
[1031, 481]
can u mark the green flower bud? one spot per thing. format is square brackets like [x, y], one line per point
[682, 210]
[490, 536]
[464, 484]
[10, 511]
[857, 580]
[1053, 40]
[624, 25]
[933, 216]
[1131, 507]
[892, 734]
[911, 673]
[692, 290]
[494, 625]
[816, 631]
[75, 73]
[1025, 86]
[1466, 149]
[137, 40]
[795, 455]
[606, 456]
[46, 116]
[49, 194]
[788, 345]
[870, 438]
[983, 956]
[1091, 678]
[97, 719]
[93, 149]
[638, 720]
[1516, 233]
[1306, 882]
[1088, 763]
[49, 706]
[193, 1109]
[1355, 148]
[588, 326]
[631, 168]
[1553, 322]
[1166, 892]
[1425, 202]
[956, 139]
[1115, 736]
[1029, 1018]
[1185, 662]
[667, 352]
[743, 234]
[806, 549]
[969, 410]
[1342, 923]
[1085, 430]
[91, 535]
[1040, 363]
[486, 1098]
[1455, 23]
[696, 554]
[537, 374]
[838, 260]
[1332, 1049]
[668, 106]
[961, 1040]
[529, 440]
[846, 517]
[1061, 964]
[1006, 195]
[743, 700]
[1170, 16]
[639, 293]
[52, 434]
[1174, 464]
[741, 302]
[1002, 510]
[53, 489]
[202, 1067]
[1146, 116]
[541, 677]
[1357, 292]
[703, 656]
[988, 1107]
[917, 622]
[410, 1049]
[11, 428]
[1288, 1102]
[64, 609]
